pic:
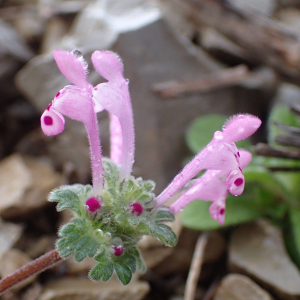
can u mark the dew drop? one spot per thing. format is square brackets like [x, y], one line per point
[116, 241]
[107, 235]
[106, 220]
[77, 53]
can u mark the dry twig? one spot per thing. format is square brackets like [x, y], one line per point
[266, 150]
[196, 266]
[221, 79]
[264, 39]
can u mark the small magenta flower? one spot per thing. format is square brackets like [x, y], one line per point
[220, 154]
[118, 250]
[76, 102]
[92, 204]
[210, 187]
[114, 97]
[136, 208]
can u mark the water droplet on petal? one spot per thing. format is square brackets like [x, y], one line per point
[77, 53]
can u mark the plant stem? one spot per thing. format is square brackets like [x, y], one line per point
[35, 267]
[96, 159]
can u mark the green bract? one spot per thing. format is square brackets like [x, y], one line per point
[114, 225]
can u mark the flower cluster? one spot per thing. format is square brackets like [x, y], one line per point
[111, 215]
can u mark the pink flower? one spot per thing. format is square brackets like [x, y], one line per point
[210, 187]
[76, 102]
[220, 154]
[114, 97]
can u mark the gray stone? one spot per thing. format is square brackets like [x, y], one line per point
[78, 289]
[11, 44]
[288, 94]
[237, 287]
[257, 250]
[290, 16]
[9, 235]
[154, 252]
[289, 2]
[264, 6]
[15, 179]
[180, 260]
[25, 184]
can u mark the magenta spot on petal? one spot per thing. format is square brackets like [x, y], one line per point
[48, 120]
[222, 211]
[136, 208]
[238, 154]
[118, 250]
[57, 95]
[235, 156]
[49, 106]
[93, 204]
[238, 181]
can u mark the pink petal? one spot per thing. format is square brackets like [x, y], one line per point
[75, 103]
[235, 182]
[97, 106]
[215, 156]
[73, 67]
[109, 97]
[116, 99]
[208, 187]
[108, 64]
[116, 143]
[52, 122]
[240, 127]
[217, 211]
[245, 158]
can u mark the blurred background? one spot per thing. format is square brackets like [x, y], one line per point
[191, 64]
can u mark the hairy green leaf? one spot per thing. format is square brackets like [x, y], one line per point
[123, 272]
[164, 215]
[166, 235]
[103, 270]
[75, 237]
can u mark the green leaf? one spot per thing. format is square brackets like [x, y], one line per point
[273, 162]
[103, 270]
[123, 272]
[280, 114]
[165, 234]
[201, 131]
[149, 185]
[290, 180]
[164, 215]
[266, 179]
[140, 261]
[75, 237]
[71, 197]
[66, 199]
[130, 261]
[292, 235]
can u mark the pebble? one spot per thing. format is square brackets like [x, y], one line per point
[25, 183]
[258, 250]
[237, 287]
[82, 288]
